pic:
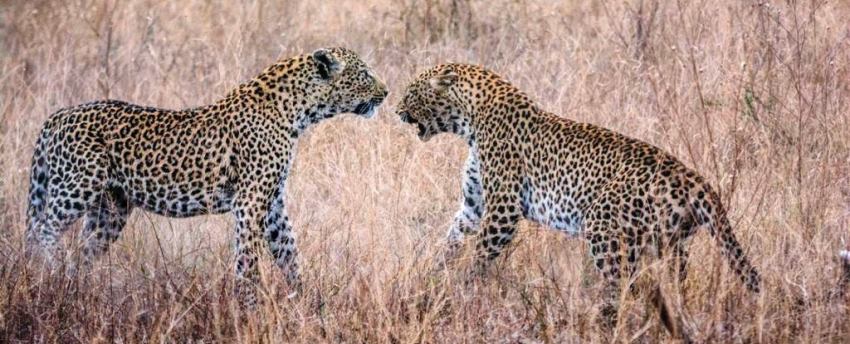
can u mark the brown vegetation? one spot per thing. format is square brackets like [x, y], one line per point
[755, 95]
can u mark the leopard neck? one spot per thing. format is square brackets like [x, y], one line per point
[504, 114]
[282, 87]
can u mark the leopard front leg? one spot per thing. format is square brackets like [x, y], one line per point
[262, 162]
[249, 214]
[281, 239]
[250, 210]
[501, 172]
[468, 217]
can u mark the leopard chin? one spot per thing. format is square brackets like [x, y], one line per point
[423, 133]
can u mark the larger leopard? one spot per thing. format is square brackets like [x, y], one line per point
[101, 160]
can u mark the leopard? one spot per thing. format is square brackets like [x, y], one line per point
[102, 160]
[625, 198]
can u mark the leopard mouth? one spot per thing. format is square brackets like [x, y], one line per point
[422, 130]
[364, 108]
[367, 108]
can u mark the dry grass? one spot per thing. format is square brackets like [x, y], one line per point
[756, 96]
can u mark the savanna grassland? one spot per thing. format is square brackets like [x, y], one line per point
[753, 94]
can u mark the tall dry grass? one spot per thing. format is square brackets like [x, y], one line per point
[755, 95]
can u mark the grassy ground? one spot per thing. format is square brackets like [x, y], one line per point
[755, 95]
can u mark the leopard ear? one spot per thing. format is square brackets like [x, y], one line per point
[327, 63]
[444, 80]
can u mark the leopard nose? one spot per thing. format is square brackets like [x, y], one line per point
[377, 100]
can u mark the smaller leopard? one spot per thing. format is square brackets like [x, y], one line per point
[625, 197]
[101, 160]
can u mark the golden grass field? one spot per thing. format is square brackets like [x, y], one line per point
[754, 95]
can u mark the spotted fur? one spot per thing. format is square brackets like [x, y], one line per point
[626, 198]
[102, 160]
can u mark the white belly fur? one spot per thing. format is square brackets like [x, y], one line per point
[552, 211]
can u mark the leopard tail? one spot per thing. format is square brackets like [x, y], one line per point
[710, 212]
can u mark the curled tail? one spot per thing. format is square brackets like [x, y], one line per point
[38, 186]
[710, 211]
